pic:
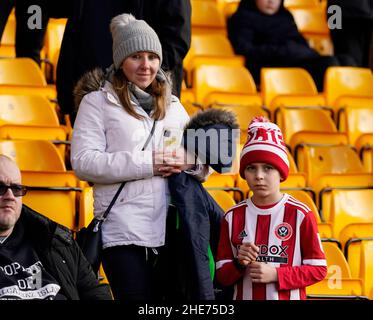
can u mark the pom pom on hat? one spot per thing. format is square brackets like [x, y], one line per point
[131, 36]
[265, 144]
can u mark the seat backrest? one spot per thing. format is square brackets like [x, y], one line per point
[350, 206]
[347, 81]
[223, 199]
[58, 205]
[337, 264]
[209, 45]
[359, 121]
[366, 266]
[311, 20]
[285, 81]
[27, 110]
[9, 33]
[33, 155]
[21, 72]
[85, 207]
[207, 18]
[244, 115]
[301, 4]
[303, 197]
[215, 79]
[294, 120]
[319, 160]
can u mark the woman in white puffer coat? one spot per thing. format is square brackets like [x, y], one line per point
[115, 119]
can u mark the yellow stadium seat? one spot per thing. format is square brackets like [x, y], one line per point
[30, 118]
[227, 7]
[7, 43]
[53, 194]
[312, 23]
[329, 159]
[210, 80]
[27, 110]
[364, 146]
[295, 84]
[350, 206]
[347, 82]
[207, 18]
[359, 121]
[56, 203]
[209, 49]
[325, 229]
[327, 182]
[338, 284]
[33, 155]
[222, 198]
[354, 232]
[244, 116]
[53, 40]
[22, 72]
[85, 207]
[360, 259]
[301, 4]
[296, 121]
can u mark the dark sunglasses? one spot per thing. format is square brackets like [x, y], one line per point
[17, 189]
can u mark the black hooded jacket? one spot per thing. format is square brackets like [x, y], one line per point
[61, 257]
[266, 40]
[199, 214]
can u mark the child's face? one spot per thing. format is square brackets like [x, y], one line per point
[264, 181]
[268, 7]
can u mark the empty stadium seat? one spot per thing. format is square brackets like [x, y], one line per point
[227, 7]
[296, 122]
[288, 86]
[30, 117]
[338, 283]
[22, 72]
[22, 76]
[209, 49]
[341, 82]
[207, 18]
[33, 155]
[52, 44]
[211, 82]
[350, 206]
[327, 182]
[329, 159]
[301, 4]
[7, 41]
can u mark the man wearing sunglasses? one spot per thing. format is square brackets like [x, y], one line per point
[39, 259]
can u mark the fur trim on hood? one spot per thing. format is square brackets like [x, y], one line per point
[212, 116]
[89, 82]
[218, 150]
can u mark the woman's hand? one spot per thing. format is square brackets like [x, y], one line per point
[165, 163]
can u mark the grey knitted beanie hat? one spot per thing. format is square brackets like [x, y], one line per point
[130, 36]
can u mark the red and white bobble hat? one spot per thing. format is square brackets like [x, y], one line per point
[265, 144]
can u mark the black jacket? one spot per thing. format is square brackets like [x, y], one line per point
[62, 258]
[266, 40]
[199, 215]
[358, 9]
[87, 41]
